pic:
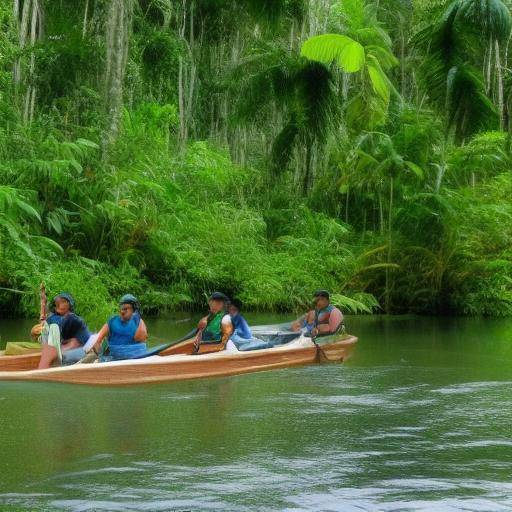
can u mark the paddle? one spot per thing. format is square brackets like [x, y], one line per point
[43, 302]
[160, 348]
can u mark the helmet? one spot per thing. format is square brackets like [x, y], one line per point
[130, 299]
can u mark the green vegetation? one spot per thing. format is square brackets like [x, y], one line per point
[263, 148]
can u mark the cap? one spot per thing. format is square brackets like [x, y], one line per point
[321, 293]
[218, 296]
[67, 297]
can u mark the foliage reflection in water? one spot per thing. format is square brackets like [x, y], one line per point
[419, 419]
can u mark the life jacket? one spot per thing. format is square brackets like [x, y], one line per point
[322, 316]
[212, 333]
[121, 338]
[122, 333]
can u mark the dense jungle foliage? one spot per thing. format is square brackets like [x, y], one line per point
[265, 148]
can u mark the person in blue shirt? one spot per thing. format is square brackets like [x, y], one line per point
[242, 336]
[64, 335]
[126, 332]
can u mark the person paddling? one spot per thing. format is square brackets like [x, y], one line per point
[215, 328]
[324, 319]
[63, 334]
[126, 332]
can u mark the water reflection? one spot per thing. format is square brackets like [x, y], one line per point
[418, 420]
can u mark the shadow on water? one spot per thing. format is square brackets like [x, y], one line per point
[419, 419]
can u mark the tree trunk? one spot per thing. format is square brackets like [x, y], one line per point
[117, 39]
[23, 32]
[390, 231]
[84, 25]
[307, 171]
[499, 78]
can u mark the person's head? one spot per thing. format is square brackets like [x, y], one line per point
[235, 307]
[217, 302]
[63, 303]
[127, 306]
[321, 299]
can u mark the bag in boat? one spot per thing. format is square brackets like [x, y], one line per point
[19, 348]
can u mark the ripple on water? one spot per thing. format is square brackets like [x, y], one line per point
[471, 387]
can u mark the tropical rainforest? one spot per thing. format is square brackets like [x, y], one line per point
[263, 148]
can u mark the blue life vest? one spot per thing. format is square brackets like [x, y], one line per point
[121, 332]
[241, 327]
[121, 338]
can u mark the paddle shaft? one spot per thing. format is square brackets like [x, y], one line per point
[43, 301]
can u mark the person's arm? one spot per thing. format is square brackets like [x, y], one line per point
[201, 326]
[101, 336]
[141, 334]
[335, 319]
[226, 329]
[297, 325]
[202, 323]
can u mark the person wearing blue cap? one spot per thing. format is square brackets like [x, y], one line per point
[126, 332]
[64, 333]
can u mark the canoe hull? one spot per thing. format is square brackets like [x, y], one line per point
[171, 368]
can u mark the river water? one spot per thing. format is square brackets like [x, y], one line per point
[419, 419]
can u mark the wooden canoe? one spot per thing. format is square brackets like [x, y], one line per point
[177, 363]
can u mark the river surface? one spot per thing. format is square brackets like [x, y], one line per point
[420, 419]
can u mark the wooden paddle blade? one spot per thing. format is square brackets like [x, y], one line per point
[206, 348]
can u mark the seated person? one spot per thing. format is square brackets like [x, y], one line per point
[126, 332]
[215, 328]
[242, 336]
[323, 320]
[63, 335]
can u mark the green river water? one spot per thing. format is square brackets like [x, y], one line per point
[419, 419]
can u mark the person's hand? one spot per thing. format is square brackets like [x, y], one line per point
[202, 324]
[93, 350]
[314, 332]
[91, 357]
[36, 331]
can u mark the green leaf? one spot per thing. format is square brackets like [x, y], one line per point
[416, 169]
[328, 48]
[379, 79]
[32, 212]
[87, 143]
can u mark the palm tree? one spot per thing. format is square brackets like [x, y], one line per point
[364, 47]
[298, 95]
[453, 45]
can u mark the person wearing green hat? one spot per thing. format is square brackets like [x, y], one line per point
[215, 328]
[324, 319]
[63, 335]
[126, 332]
